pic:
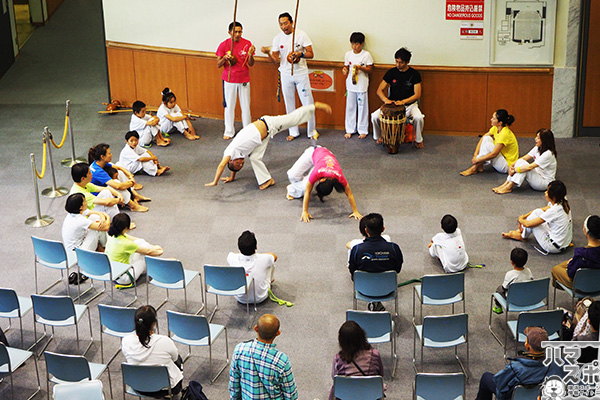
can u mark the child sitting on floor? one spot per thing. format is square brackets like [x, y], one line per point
[134, 158]
[449, 246]
[146, 126]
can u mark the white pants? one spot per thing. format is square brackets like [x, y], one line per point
[125, 193]
[275, 125]
[412, 111]
[301, 83]
[499, 162]
[540, 232]
[147, 166]
[110, 210]
[535, 180]
[168, 125]
[231, 91]
[138, 264]
[296, 174]
[357, 102]
[148, 134]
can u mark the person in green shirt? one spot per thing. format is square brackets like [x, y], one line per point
[98, 198]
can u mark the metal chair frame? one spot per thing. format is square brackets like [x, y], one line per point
[19, 307]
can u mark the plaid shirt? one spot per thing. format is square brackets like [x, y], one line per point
[260, 371]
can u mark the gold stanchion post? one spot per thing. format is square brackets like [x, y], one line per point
[69, 162]
[52, 191]
[38, 220]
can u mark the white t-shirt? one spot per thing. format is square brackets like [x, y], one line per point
[282, 43]
[514, 276]
[129, 157]
[546, 164]
[164, 110]
[451, 250]
[74, 230]
[363, 59]
[257, 266]
[560, 225]
[243, 143]
[161, 350]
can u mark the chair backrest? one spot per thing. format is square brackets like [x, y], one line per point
[188, 326]
[163, 270]
[53, 308]
[49, 251]
[522, 294]
[375, 324]
[586, 280]
[358, 387]
[9, 301]
[4, 357]
[92, 263]
[444, 286]
[224, 277]
[88, 390]
[526, 393]
[445, 328]
[550, 320]
[439, 386]
[375, 284]
[119, 320]
[145, 378]
[67, 367]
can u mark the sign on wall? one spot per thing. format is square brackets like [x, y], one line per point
[321, 79]
[465, 10]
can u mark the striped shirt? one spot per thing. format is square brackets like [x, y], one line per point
[260, 371]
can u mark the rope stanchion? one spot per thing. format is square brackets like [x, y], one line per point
[69, 162]
[52, 191]
[45, 151]
[38, 220]
[62, 142]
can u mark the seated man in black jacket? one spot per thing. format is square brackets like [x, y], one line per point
[375, 254]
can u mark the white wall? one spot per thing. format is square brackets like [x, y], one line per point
[388, 25]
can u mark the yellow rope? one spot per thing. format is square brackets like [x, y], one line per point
[58, 146]
[41, 176]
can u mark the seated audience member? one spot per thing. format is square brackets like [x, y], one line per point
[362, 230]
[449, 246]
[538, 167]
[83, 228]
[127, 249]
[583, 257]
[356, 356]
[375, 254]
[589, 354]
[146, 126]
[519, 273]
[258, 266]
[551, 225]
[100, 156]
[135, 158]
[146, 347]
[106, 201]
[528, 369]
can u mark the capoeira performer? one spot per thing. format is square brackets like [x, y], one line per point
[252, 141]
[325, 172]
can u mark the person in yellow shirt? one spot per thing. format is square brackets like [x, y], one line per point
[498, 147]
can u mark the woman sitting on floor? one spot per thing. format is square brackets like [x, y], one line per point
[552, 226]
[538, 167]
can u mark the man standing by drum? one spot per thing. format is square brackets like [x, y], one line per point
[404, 84]
[282, 53]
[236, 76]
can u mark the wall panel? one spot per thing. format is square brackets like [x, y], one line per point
[154, 71]
[121, 77]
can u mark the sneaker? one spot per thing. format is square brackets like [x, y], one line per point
[376, 306]
[497, 310]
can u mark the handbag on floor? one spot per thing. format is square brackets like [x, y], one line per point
[193, 392]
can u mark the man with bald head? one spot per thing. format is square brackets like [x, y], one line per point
[260, 371]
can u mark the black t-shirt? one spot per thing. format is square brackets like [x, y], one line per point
[402, 84]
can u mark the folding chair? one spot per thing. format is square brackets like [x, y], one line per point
[50, 254]
[586, 283]
[376, 286]
[169, 274]
[358, 387]
[439, 386]
[88, 390]
[13, 306]
[115, 321]
[10, 360]
[145, 378]
[550, 320]
[64, 368]
[437, 290]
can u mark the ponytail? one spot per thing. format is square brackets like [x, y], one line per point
[145, 319]
[118, 224]
[557, 192]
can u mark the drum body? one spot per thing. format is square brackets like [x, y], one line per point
[392, 120]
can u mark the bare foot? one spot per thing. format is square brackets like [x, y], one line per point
[137, 208]
[290, 138]
[380, 141]
[469, 171]
[140, 198]
[502, 190]
[514, 235]
[226, 137]
[268, 183]
[132, 226]
[419, 145]
[348, 135]
[163, 142]
[287, 196]
[138, 186]
[162, 170]
[362, 136]
[323, 106]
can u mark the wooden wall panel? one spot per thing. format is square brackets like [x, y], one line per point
[205, 92]
[591, 104]
[263, 81]
[154, 71]
[527, 97]
[121, 75]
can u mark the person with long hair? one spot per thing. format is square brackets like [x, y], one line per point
[552, 226]
[146, 347]
[99, 157]
[538, 167]
[172, 119]
[498, 147]
[127, 249]
[356, 356]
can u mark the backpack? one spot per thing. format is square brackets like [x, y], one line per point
[193, 392]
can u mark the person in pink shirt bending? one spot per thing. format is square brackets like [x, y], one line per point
[325, 172]
[236, 76]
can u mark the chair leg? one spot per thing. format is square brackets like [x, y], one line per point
[37, 373]
[215, 309]
[109, 382]
[490, 322]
